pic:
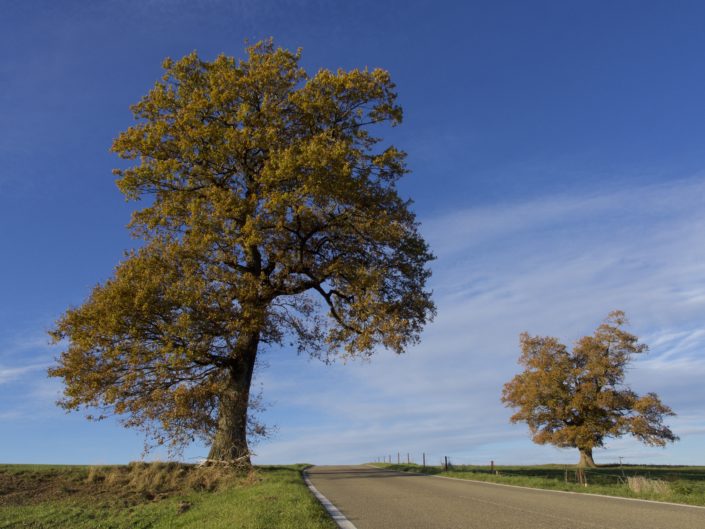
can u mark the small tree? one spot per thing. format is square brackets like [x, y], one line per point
[578, 399]
[272, 216]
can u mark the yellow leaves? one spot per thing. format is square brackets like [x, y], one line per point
[264, 188]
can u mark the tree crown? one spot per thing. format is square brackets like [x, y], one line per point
[268, 200]
[579, 398]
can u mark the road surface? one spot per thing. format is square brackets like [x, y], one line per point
[376, 499]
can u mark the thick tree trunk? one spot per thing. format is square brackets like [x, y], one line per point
[230, 441]
[586, 459]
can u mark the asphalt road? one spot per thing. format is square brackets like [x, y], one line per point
[376, 499]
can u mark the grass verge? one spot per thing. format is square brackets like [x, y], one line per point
[684, 484]
[156, 496]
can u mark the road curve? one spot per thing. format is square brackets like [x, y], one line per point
[377, 499]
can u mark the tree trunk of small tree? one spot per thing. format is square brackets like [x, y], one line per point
[586, 459]
[230, 441]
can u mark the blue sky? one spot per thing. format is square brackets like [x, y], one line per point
[558, 163]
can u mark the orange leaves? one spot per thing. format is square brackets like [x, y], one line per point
[577, 398]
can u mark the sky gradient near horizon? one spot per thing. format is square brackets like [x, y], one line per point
[558, 171]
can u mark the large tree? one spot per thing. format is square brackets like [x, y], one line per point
[270, 216]
[577, 399]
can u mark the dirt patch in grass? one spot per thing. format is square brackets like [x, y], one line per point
[124, 486]
[28, 487]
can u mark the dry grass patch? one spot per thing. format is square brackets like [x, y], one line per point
[125, 485]
[159, 478]
[642, 485]
[181, 496]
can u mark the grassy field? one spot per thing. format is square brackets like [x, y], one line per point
[154, 496]
[661, 483]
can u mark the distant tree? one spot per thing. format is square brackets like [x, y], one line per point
[578, 399]
[271, 216]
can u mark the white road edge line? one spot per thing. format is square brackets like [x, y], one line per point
[338, 517]
[535, 488]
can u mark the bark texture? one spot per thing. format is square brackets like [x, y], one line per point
[230, 441]
[586, 459]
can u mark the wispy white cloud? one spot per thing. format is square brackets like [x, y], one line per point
[25, 390]
[31, 345]
[9, 374]
[554, 266]
[6, 415]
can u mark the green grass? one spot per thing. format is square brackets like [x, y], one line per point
[685, 484]
[274, 497]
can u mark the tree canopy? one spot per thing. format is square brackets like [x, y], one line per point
[269, 215]
[579, 398]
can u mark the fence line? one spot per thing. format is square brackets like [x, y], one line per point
[614, 473]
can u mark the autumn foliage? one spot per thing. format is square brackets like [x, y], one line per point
[269, 215]
[579, 398]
